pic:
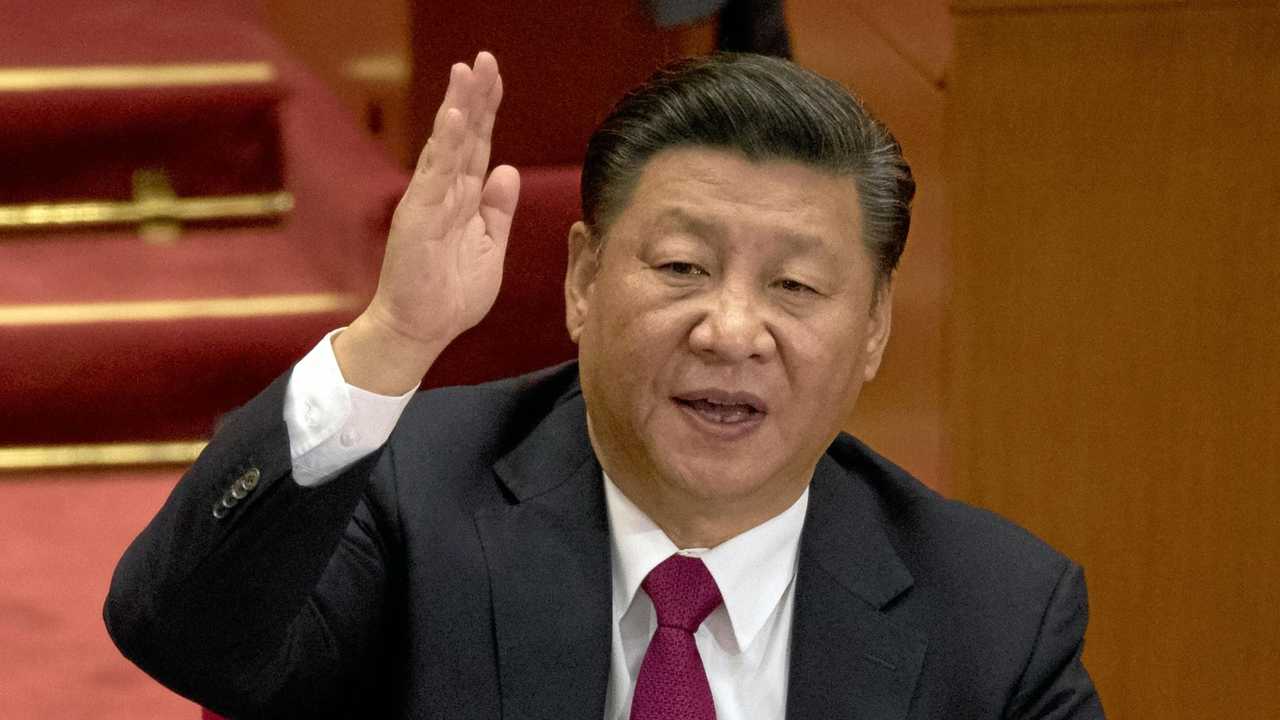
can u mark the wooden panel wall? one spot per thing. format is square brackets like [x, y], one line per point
[1114, 350]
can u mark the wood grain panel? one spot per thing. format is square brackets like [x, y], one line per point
[1115, 329]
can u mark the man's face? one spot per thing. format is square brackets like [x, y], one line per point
[724, 329]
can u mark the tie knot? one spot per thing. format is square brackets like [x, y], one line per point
[683, 592]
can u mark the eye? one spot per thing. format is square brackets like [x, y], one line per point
[682, 268]
[795, 286]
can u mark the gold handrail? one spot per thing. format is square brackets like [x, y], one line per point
[41, 457]
[152, 209]
[249, 306]
[118, 77]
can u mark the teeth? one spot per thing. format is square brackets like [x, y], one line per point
[722, 412]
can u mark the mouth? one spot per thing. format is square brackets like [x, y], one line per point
[723, 409]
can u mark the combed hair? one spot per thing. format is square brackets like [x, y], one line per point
[766, 109]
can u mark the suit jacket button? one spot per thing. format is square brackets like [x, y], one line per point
[238, 490]
[219, 510]
[249, 480]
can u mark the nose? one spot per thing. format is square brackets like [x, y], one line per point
[732, 328]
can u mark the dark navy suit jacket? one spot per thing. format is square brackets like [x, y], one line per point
[463, 572]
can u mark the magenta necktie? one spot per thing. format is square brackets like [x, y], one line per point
[673, 684]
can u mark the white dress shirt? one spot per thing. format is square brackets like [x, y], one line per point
[745, 643]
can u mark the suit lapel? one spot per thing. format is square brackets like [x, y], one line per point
[548, 558]
[848, 659]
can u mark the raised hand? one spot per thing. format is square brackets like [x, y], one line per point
[443, 262]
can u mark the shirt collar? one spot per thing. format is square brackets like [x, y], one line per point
[752, 570]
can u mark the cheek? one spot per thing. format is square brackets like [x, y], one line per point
[823, 366]
[640, 322]
[812, 351]
[633, 351]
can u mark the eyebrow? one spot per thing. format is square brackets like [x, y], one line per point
[682, 219]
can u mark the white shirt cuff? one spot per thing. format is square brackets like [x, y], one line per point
[331, 424]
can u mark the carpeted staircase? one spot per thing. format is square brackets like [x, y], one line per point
[183, 211]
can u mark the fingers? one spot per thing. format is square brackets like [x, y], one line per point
[481, 111]
[440, 161]
[482, 127]
[480, 114]
[485, 69]
[456, 157]
[498, 202]
[456, 95]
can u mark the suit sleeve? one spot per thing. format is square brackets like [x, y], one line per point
[1055, 684]
[249, 593]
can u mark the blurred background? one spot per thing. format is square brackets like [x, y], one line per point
[1087, 331]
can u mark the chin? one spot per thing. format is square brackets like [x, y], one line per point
[712, 479]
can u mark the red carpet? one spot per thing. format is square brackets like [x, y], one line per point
[71, 373]
[59, 541]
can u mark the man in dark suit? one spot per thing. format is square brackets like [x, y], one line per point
[671, 527]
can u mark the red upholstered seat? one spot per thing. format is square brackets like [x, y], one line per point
[564, 64]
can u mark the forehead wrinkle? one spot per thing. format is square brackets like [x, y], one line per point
[680, 218]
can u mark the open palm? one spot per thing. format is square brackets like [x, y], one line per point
[448, 240]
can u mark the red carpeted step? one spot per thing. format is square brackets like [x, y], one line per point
[152, 379]
[106, 337]
[61, 144]
[89, 94]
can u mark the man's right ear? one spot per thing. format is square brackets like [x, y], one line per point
[584, 261]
